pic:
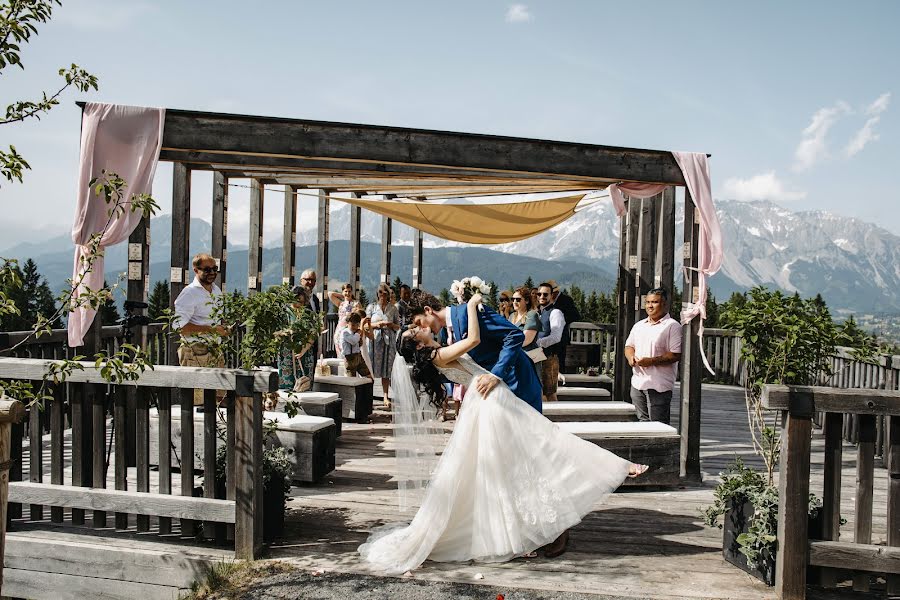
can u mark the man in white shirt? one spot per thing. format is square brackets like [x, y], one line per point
[193, 307]
[553, 324]
[652, 349]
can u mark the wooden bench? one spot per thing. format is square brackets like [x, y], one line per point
[582, 394]
[587, 381]
[355, 394]
[312, 440]
[601, 411]
[317, 404]
[645, 442]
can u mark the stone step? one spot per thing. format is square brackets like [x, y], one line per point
[582, 394]
[563, 411]
[588, 381]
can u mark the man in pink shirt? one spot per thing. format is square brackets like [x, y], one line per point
[652, 349]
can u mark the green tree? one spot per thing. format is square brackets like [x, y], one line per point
[396, 286]
[606, 309]
[492, 297]
[529, 283]
[445, 297]
[109, 312]
[712, 310]
[362, 298]
[14, 317]
[19, 20]
[592, 308]
[577, 295]
[38, 297]
[158, 300]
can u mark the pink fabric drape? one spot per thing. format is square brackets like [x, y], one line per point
[695, 168]
[125, 140]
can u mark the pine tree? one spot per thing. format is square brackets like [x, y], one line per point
[362, 298]
[445, 298]
[492, 297]
[40, 298]
[712, 310]
[158, 300]
[577, 295]
[109, 312]
[606, 309]
[529, 283]
[591, 310]
[395, 285]
[15, 292]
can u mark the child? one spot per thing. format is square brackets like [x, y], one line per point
[350, 340]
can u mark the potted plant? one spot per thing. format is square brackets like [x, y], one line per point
[786, 340]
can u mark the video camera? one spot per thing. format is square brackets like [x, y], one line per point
[131, 320]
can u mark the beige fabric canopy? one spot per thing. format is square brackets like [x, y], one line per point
[475, 223]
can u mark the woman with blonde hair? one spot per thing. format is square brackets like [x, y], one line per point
[385, 323]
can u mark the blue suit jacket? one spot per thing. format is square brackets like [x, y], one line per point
[500, 352]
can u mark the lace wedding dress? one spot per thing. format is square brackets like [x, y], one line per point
[508, 482]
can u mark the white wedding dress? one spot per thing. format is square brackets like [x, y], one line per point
[508, 482]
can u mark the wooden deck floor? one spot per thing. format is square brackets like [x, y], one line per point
[639, 544]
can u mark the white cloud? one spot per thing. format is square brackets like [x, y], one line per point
[813, 147]
[518, 13]
[765, 186]
[867, 133]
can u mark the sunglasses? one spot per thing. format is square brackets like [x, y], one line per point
[504, 299]
[209, 270]
[516, 299]
[543, 294]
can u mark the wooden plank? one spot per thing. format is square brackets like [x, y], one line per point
[180, 264]
[219, 249]
[288, 138]
[418, 255]
[647, 247]
[186, 452]
[137, 291]
[5, 456]
[855, 556]
[37, 584]
[865, 481]
[79, 469]
[826, 399]
[98, 417]
[831, 494]
[793, 493]
[893, 501]
[322, 249]
[230, 429]
[142, 449]
[255, 239]
[665, 261]
[355, 239]
[57, 441]
[289, 237]
[247, 475]
[210, 412]
[386, 239]
[690, 364]
[120, 410]
[138, 503]
[35, 455]
[164, 423]
[264, 380]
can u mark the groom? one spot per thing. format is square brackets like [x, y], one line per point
[500, 350]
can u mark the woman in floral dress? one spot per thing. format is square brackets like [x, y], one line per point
[382, 349]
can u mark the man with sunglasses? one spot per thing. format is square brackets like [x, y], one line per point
[550, 338]
[192, 317]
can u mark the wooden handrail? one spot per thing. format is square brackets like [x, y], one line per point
[801, 400]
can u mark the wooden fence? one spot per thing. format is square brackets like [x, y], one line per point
[78, 461]
[799, 404]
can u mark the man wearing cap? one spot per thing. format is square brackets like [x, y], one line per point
[652, 349]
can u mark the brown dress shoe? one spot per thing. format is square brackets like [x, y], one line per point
[558, 547]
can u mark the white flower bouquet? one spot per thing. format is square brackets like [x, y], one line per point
[465, 288]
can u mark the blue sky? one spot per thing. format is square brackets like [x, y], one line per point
[797, 102]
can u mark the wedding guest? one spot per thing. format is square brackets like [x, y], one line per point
[306, 360]
[564, 302]
[534, 298]
[385, 323]
[652, 349]
[344, 301]
[350, 348]
[553, 323]
[403, 306]
[504, 306]
[525, 317]
[308, 280]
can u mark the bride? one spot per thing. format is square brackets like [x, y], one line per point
[509, 480]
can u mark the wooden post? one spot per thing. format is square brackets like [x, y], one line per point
[831, 496]
[647, 249]
[626, 297]
[689, 419]
[418, 239]
[322, 251]
[386, 234]
[289, 239]
[98, 447]
[892, 450]
[247, 471]
[865, 480]
[187, 454]
[665, 253]
[142, 448]
[11, 411]
[220, 225]
[255, 251]
[180, 271]
[793, 505]
[355, 245]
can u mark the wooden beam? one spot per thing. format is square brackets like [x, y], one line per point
[255, 241]
[386, 235]
[793, 508]
[355, 245]
[646, 254]
[417, 274]
[854, 556]
[827, 399]
[247, 474]
[289, 237]
[265, 380]
[220, 226]
[286, 138]
[180, 272]
[665, 261]
[322, 248]
[865, 485]
[625, 319]
[139, 503]
[691, 366]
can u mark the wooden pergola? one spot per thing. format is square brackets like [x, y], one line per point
[394, 162]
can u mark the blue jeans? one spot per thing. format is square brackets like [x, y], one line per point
[652, 405]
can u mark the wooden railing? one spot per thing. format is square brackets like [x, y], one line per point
[592, 345]
[54, 344]
[91, 399]
[796, 551]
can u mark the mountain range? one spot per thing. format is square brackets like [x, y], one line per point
[855, 265]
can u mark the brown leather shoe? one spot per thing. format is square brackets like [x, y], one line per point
[558, 547]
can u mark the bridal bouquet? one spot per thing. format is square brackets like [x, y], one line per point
[467, 287]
